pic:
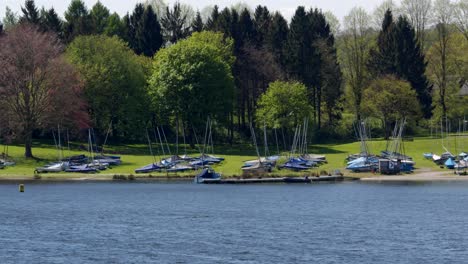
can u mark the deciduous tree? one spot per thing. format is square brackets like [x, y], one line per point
[37, 86]
[283, 105]
[115, 83]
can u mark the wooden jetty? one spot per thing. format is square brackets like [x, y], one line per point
[311, 179]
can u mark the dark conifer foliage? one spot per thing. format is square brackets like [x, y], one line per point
[77, 20]
[246, 28]
[276, 38]
[213, 21]
[175, 24]
[383, 58]
[411, 64]
[143, 31]
[30, 13]
[197, 23]
[50, 21]
[398, 53]
[149, 33]
[262, 23]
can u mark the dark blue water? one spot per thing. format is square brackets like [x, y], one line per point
[185, 223]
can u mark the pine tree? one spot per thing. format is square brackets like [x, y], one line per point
[277, 38]
[299, 47]
[30, 13]
[383, 59]
[174, 23]
[77, 20]
[148, 34]
[197, 24]
[10, 19]
[398, 53]
[246, 27]
[99, 17]
[133, 24]
[262, 22]
[51, 22]
[213, 21]
[411, 64]
[225, 22]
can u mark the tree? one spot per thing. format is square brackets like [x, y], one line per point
[418, 12]
[159, 6]
[449, 73]
[411, 64]
[50, 21]
[143, 31]
[37, 86]
[277, 38]
[10, 19]
[77, 20]
[176, 22]
[398, 52]
[115, 83]
[333, 22]
[380, 11]
[262, 22]
[383, 57]
[115, 26]
[283, 105]
[389, 99]
[99, 18]
[30, 13]
[355, 53]
[461, 17]
[212, 21]
[197, 24]
[148, 35]
[192, 79]
[330, 81]
[439, 65]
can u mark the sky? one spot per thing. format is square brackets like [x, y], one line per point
[287, 7]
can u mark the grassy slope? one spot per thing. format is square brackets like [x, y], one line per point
[135, 156]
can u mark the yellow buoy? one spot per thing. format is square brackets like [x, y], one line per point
[21, 187]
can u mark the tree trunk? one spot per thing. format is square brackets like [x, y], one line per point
[28, 145]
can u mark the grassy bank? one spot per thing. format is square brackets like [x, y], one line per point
[134, 156]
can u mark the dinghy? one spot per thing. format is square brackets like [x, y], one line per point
[205, 174]
[149, 168]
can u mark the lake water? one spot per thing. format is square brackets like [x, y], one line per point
[187, 223]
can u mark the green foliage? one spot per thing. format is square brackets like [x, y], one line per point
[115, 82]
[389, 99]
[77, 20]
[30, 13]
[283, 105]
[10, 19]
[455, 66]
[115, 26]
[192, 79]
[399, 53]
[99, 17]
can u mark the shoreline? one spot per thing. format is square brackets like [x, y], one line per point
[425, 175]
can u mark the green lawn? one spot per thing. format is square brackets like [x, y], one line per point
[134, 156]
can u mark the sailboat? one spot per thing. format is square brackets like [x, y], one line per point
[153, 166]
[363, 161]
[259, 166]
[57, 166]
